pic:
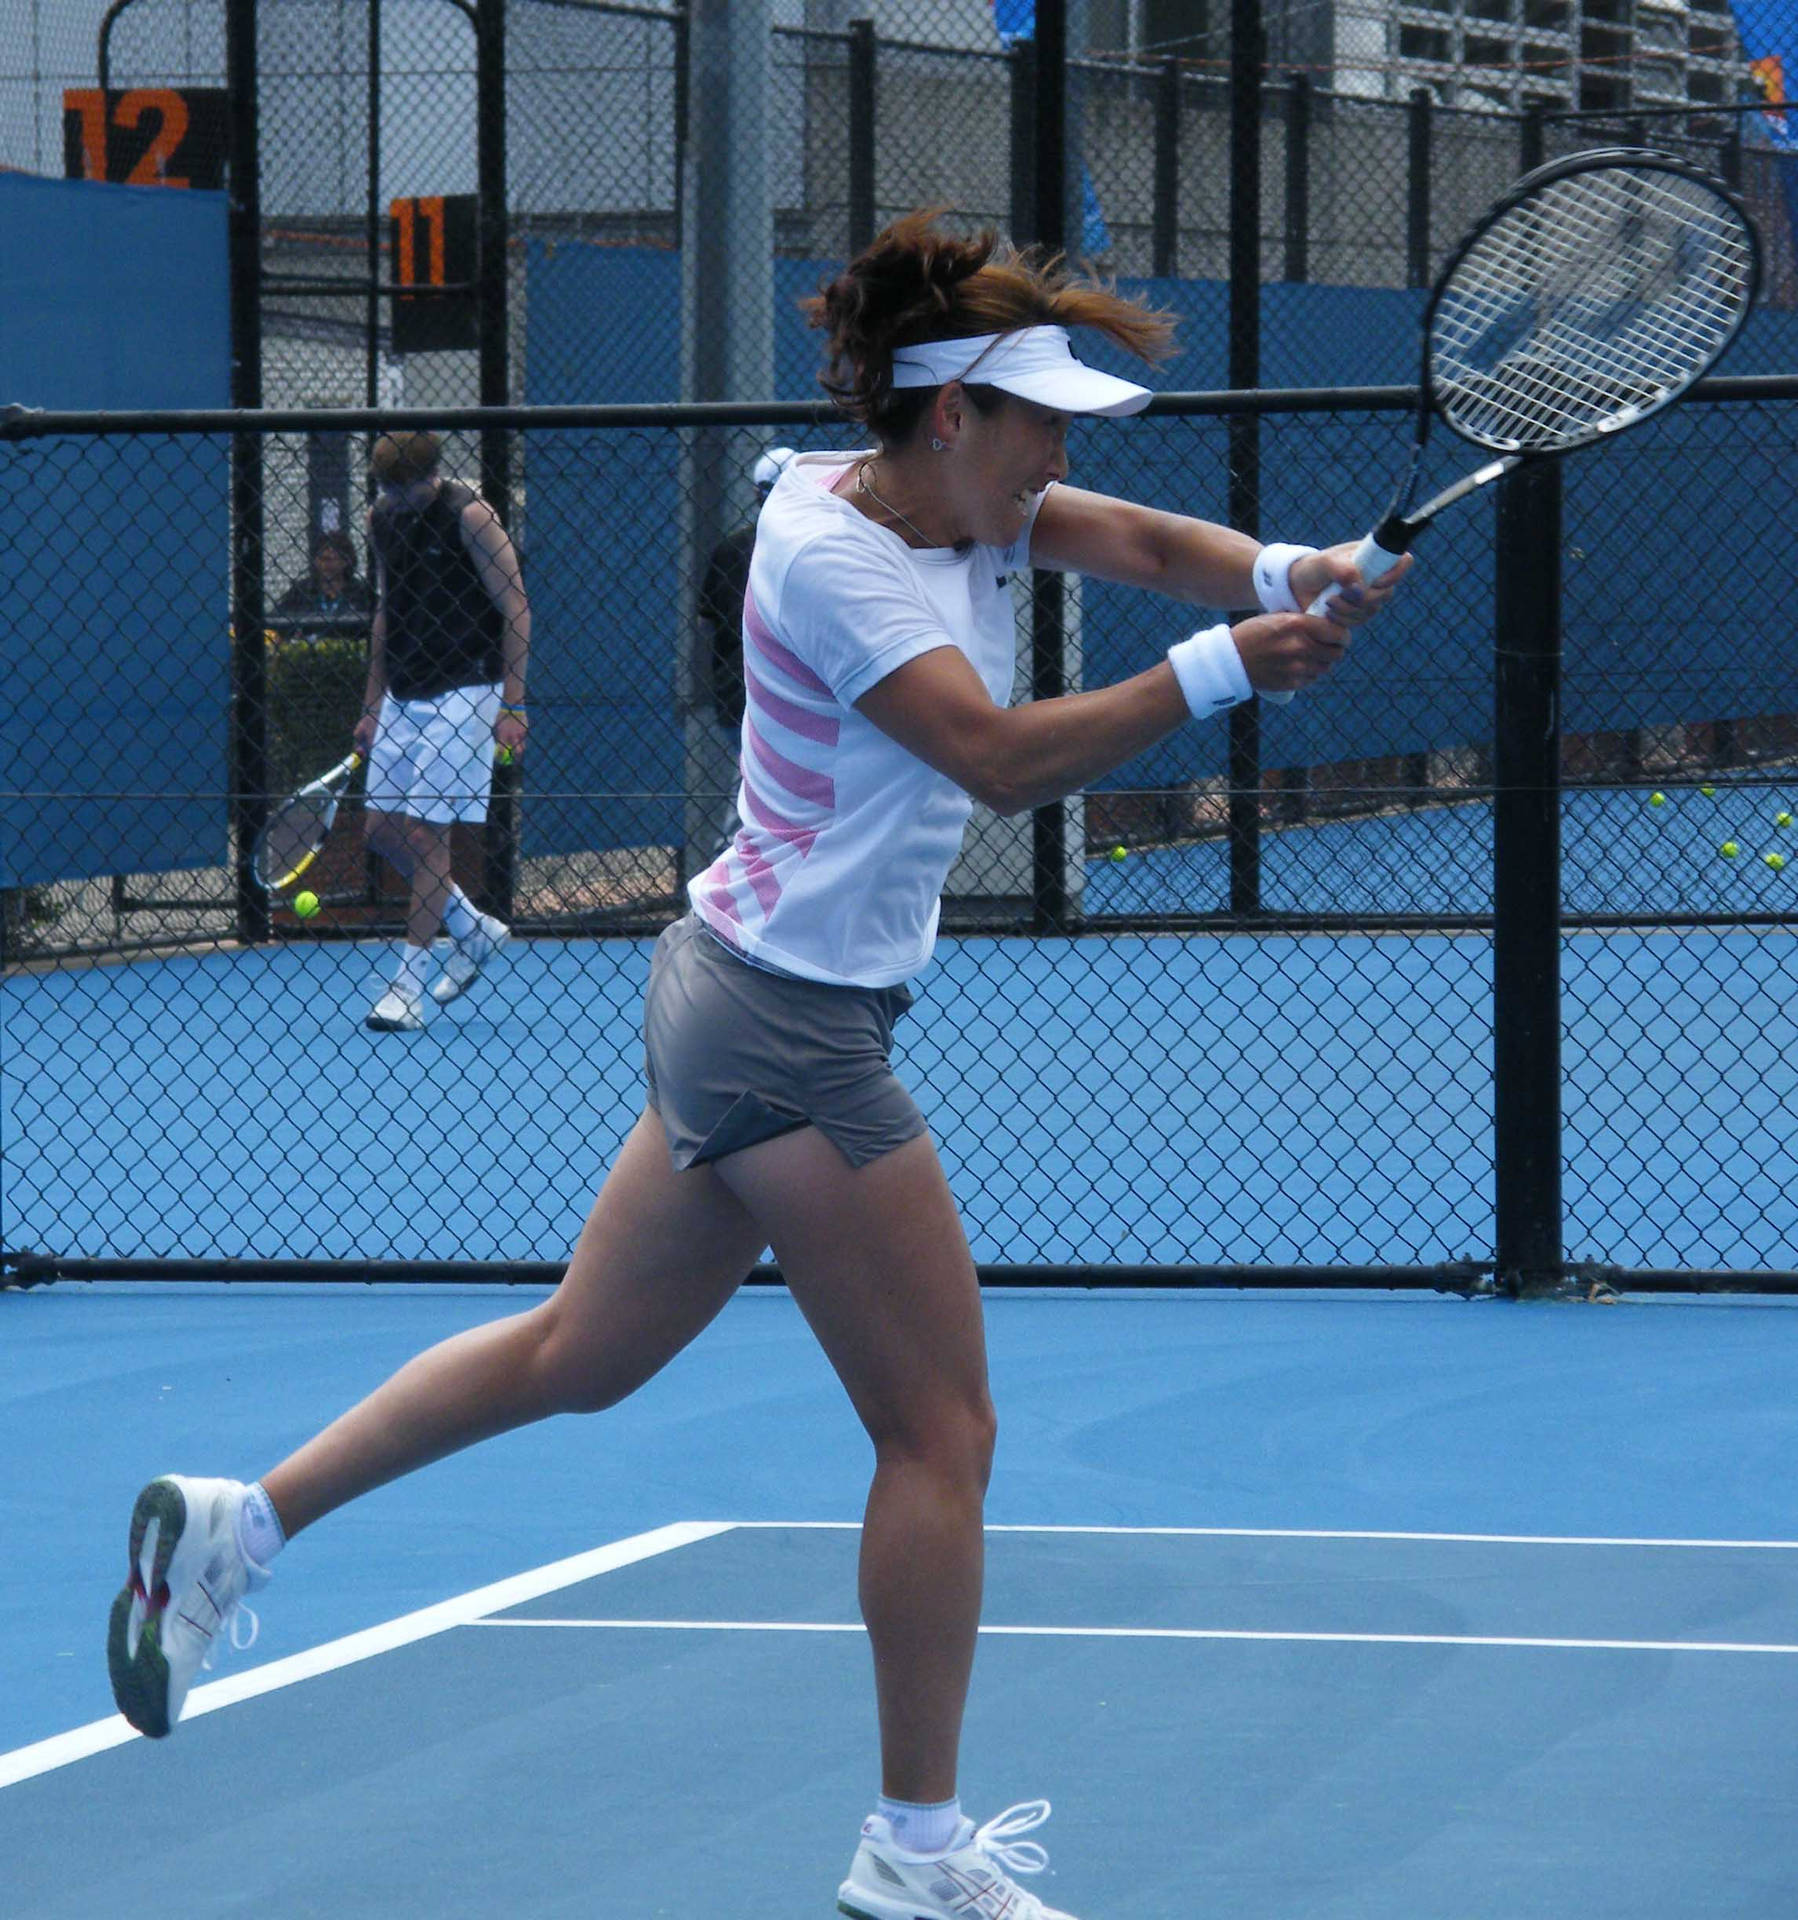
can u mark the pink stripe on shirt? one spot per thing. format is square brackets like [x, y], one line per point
[761, 637]
[806, 783]
[805, 721]
[776, 825]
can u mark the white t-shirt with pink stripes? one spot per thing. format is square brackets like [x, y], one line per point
[846, 839]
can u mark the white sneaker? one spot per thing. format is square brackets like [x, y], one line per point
[188, 1578]
[397, 1011]
[970, 1882]
[468, 956]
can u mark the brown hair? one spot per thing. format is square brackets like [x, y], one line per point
[916, 282]
[400, 458]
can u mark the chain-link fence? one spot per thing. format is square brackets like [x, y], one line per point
[1243, 1018]
[1142, 1052]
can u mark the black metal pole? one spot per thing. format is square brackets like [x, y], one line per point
[1526, 941]
[500, 843]
[1051, 145]
[494, 296]
[1023, 140]
[249, 662]
[1165, 241]
[371, 220]
[1299, 103]
[1247, 45]
[1417, 196]
[863, 105]
[1532, 138]
[1039, 193]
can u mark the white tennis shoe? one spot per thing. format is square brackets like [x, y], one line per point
[972, 1881]
[397, 1011]
[468, 956]
[188, 1580]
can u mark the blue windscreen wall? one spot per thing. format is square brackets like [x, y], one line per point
[604, 326]
[114, 600]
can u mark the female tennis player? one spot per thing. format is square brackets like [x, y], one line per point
[879, 649]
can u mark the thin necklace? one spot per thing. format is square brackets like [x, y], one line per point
[886, 506]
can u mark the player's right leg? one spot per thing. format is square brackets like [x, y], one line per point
[659, 1256]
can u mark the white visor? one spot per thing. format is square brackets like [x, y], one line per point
[1035, 363]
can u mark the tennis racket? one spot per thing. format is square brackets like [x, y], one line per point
[1589, 298]
[295, 831]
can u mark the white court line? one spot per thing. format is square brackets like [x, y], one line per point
[464, 1610]
[1183, 1633]
[1315, 1533]
[468, 1610]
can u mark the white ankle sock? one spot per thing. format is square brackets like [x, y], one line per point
[259, 1531]
[414, 971]
[922, 1829]
[459, 916]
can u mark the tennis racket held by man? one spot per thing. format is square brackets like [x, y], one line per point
[295, 832]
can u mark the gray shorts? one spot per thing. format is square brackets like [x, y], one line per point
[735, 1054]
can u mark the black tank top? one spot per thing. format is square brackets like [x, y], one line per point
[443, 629]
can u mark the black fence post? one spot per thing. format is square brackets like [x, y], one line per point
[1298, 178]
[249, 659]
[1039, 193]
[1417, 191]
[499, 875]
[1023, 139]
[1246, 56]
[1165, 232]
[1526, 941]
[371, 219]
[1532, 138]
[864, 100]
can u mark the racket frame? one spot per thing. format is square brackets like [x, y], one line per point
[331, 785]
[1403, 524]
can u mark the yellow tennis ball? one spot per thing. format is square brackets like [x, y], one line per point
[1657, 799]
[1776, 861]
[1120, 853]
[504, 756]
[1782, 819]
[305, 905]
[1707, 791]
[1729, 849]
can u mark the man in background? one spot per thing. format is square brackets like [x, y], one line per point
[447, 657]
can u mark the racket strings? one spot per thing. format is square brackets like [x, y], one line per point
[1583, 307]
[291, 835]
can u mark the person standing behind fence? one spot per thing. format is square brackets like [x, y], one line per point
[446, 671]
[880, 647]
[330, 590]
[719, 673]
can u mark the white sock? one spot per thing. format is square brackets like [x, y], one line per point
[259, 1531]
[922, 1829]
[415, 969]
[459, 916]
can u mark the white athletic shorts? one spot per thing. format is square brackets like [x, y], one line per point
[433, 759]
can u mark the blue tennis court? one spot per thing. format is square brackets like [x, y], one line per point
[1357, 1605]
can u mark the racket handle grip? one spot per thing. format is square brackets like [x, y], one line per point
[1371, 561]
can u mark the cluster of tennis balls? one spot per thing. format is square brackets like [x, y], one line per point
[1731, 848]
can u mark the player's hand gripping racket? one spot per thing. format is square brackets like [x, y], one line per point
[297, 829]
[1591, 296]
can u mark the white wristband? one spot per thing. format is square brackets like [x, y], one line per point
[1273, 576]
[1210, 671]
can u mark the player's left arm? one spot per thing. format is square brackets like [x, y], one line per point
[496, 560]
[1184, 557]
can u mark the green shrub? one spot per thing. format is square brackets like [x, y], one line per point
[315, 689]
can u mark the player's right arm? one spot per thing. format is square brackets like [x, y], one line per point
[376, 689]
